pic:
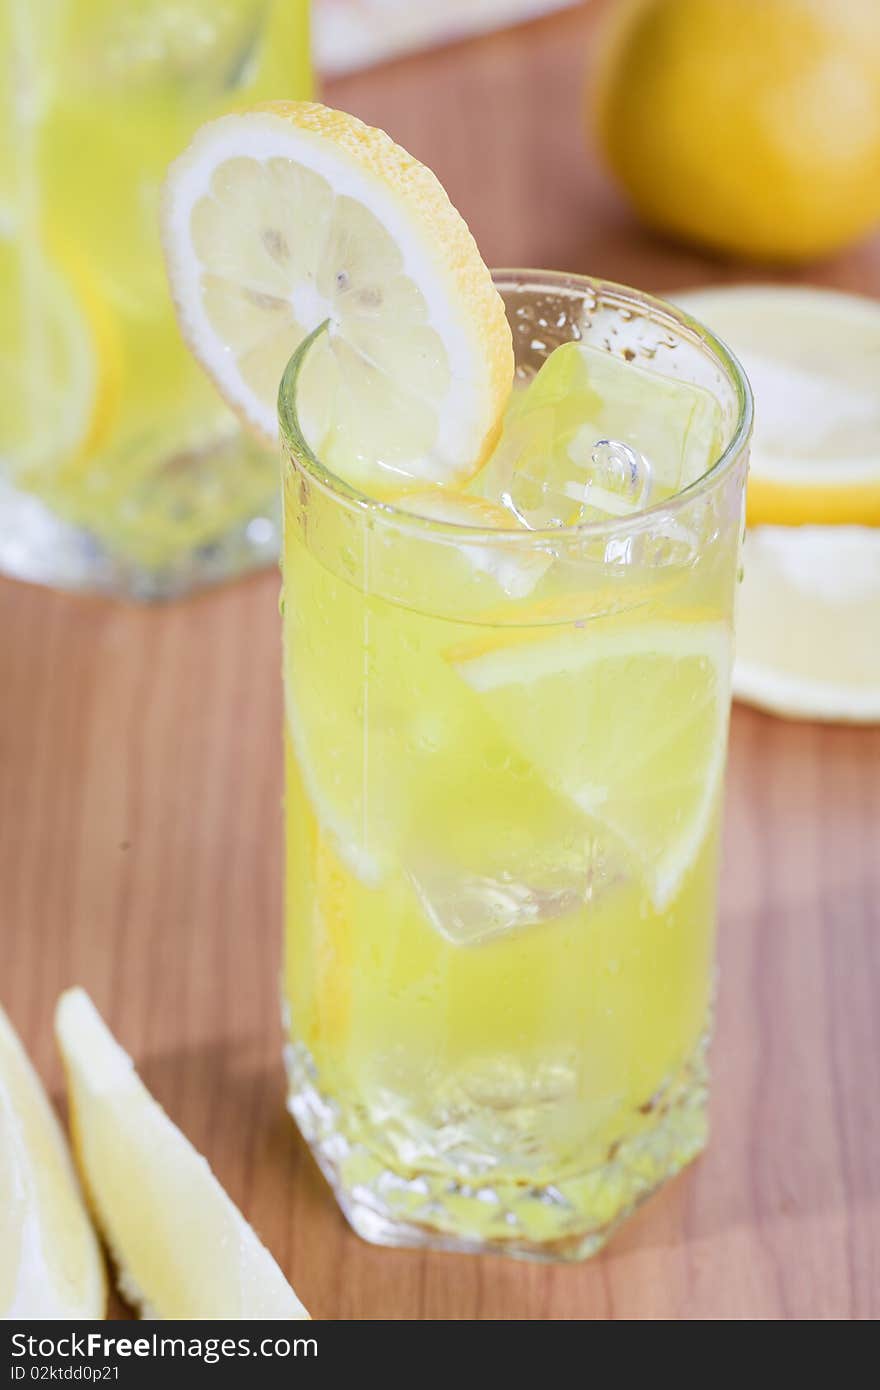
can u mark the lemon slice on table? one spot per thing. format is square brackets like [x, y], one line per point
[813, 359]
[50, 1262]
[283, 217]
[629, 724]
[183, 1249]
[59, 362]
[808, 629]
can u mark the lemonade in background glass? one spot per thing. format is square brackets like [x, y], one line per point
[120, 467]
[505, 758]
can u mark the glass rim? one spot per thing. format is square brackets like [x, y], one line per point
[350, 496]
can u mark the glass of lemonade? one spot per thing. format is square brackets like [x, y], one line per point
[505, 758]
[120, 467]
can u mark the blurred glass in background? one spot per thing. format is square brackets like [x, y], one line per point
[120, 467]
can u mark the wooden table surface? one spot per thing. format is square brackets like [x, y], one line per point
[140, 845]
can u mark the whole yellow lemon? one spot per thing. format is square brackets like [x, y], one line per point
[749, 126]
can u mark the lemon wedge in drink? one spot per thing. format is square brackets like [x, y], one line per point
[290, 215]
[813, 359]
[50, 1262]
[656, 781]
[182, 1248]
[514, 569]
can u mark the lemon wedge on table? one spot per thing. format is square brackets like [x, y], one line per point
[182, 1248]
[283, 217]
[558, 698]
[813, 359]
[50, 1262]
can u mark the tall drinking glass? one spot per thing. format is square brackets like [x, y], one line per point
[505, 762]
[120, 467]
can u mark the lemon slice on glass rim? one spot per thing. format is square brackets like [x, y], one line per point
[282, 217]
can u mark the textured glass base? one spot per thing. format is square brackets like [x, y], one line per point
[567, 1220]
[40, 547]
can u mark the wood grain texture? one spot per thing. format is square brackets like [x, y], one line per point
[140, 846]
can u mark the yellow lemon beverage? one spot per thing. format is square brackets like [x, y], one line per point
[512, 517]
[120, 467]
[506, 717]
